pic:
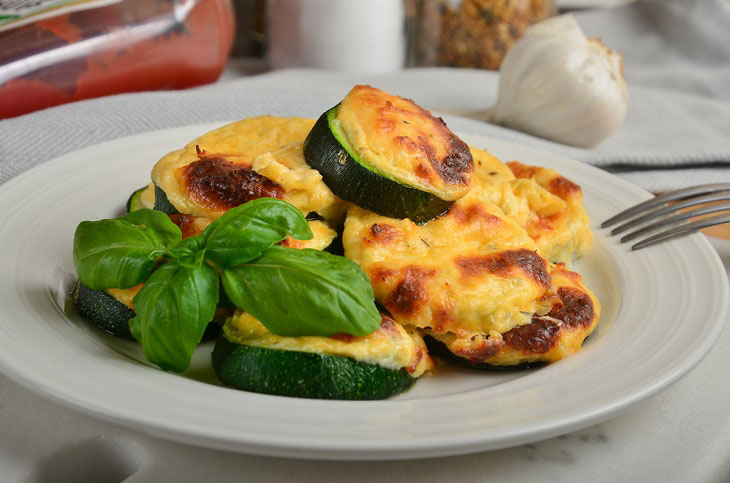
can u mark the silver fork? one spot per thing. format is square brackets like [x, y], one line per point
[661, 214]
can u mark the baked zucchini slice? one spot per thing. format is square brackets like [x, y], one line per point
[304, 374]
[134, 202]
[388, 155]
[103, 310]
[111, 315]
[249, 357]
[162, 203]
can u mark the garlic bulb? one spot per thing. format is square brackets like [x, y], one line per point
[560, 85]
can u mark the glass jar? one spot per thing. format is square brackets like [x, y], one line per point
[468, 33]
[82, 50]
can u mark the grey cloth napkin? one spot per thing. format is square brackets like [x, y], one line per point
[677, 131]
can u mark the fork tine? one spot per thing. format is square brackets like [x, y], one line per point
[661, 223]
[682, 230]
[719, 196]
[671, 196]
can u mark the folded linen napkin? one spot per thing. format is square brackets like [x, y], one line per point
[677, 131]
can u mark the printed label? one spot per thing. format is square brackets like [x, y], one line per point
[21, 8]
[15, 13]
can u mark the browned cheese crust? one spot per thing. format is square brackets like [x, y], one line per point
[569, 315]
[473, 268]
[473, 278]
[221, 184]
[400, 139]
[242, 161]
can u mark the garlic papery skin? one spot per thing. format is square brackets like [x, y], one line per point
[558, 84]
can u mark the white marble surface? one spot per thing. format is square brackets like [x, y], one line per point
[681, 434]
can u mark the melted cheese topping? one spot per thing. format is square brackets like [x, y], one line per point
[148, 197]
[269, 146]
[558, 221]
[391, 346]
[547, 339]
[488, 168]
[547, 205]
[125, 295]
[400, 140]
[473, 268]
[323, 237]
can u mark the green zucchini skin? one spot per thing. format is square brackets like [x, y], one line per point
[439, 349]
[162, 203]
[134, 202]
[304, 374]
[103, 310]
[353, 182]
[109, 314]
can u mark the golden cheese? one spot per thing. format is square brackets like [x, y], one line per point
[148, 197]
[391, 346]
[323, 237]
[473, 268]
[125, 295]
[569, 314]
[248, 159]
[488, 168]
[546, 204]
[558, 223]
[401, 141]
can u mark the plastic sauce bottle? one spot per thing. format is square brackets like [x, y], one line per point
[95, 48]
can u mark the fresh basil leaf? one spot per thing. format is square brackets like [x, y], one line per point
[115, 253]
[245, 231]
[173, 309]
[189, 252]
[159, 222]
[304, 292]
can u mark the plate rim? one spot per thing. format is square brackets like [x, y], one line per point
[601, 413]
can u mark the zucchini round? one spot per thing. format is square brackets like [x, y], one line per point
[109, 314]
[352, 180]
[304, 374]
[134, 202]
[103, 310]
[162, 203]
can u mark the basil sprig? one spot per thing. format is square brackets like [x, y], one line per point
[292, 292]
[301, 292]
[122, 252]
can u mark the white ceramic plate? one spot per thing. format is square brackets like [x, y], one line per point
[663, 308]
